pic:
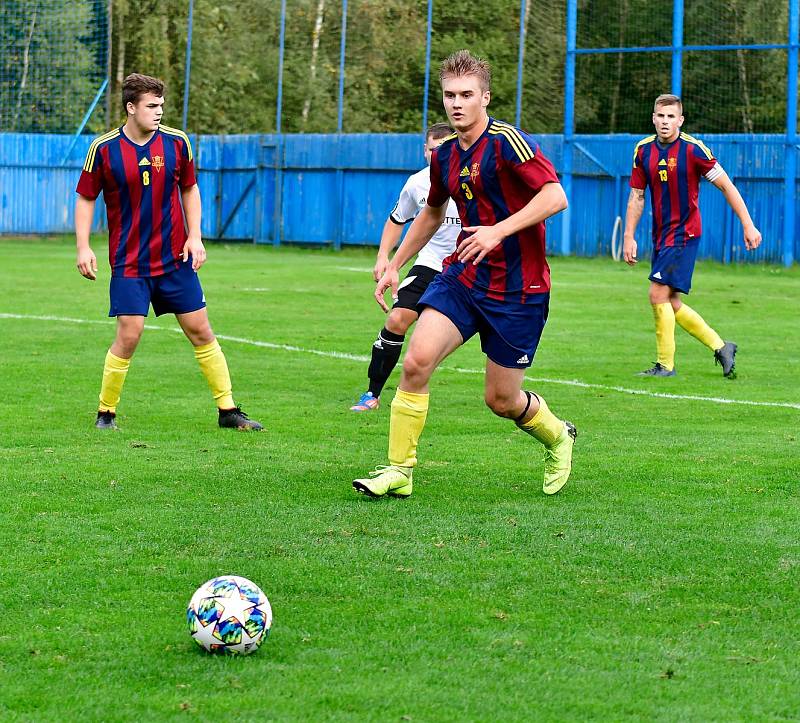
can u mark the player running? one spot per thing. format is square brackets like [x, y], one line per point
[671, 164]
[387, 347]
[496, 284]
[145, 171]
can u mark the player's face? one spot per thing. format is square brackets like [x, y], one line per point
[146, 112]
[464, 101]
[431, 144]
[668, 121]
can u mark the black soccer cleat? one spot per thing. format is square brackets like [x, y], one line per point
[657, 371]
[726, 356]
[236, 419]
[106, 420]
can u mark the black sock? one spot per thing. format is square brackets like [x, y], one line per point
[385, 355]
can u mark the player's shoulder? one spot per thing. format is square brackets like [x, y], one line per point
[96, 144]
[697, 143]
[647, 140]
[520, 143]
[177, 133]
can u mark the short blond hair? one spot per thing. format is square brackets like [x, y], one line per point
[462, 62]
[668, 99]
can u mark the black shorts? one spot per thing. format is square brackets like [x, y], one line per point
[413, 287]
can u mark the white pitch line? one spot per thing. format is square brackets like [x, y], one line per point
[356, 269]
[458, 370]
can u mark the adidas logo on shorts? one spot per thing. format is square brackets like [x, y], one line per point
[657, 275]
[523, 359]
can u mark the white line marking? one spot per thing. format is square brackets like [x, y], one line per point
[458, 370]
[255, 288]
[356, 269]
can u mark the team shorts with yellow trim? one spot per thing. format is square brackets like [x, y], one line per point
[673, 266]
[178, 292]
[509, 332]
[413, 287]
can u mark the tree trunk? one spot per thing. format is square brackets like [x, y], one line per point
[312, 71]
[25, 66]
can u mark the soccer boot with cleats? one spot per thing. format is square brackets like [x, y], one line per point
[558, 460]
[388, 480]
[657, 370]
[236, 419]
[366, 403]
[106, 420]
[726, 356]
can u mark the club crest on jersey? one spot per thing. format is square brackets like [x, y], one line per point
[464, 172]
[672, 164]
[476, 169]
[158, 162]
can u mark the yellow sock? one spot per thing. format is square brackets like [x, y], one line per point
[690, 320]
[665, 335]
[215, 369]
[114, 371]
[544, 425]
[409, 411]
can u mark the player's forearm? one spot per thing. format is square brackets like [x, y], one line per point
[192, 209]
[549, 201]
[389, 238]
[736, 202]
[84, 214]
[634, 211]
[421, 231]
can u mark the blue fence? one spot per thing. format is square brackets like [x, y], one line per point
[338, 189]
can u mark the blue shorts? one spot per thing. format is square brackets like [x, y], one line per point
[673, 266]
[509, 332]
[177, 292]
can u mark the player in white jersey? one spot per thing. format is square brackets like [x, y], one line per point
[413, 197]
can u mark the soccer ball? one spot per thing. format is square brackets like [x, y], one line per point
[229, 614]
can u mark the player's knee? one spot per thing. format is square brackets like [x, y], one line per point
[416, 368]
[501, 405]
[399, 320]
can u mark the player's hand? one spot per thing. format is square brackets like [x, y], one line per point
[480, 243]
[752, 238]
[380, 267]
[87, 263]
[194, 248]
[629, 251]
[389, 280]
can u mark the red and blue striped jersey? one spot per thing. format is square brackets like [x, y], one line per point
[141, 187]
[673, 174]
[493, 179]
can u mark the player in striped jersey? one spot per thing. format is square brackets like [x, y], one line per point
[671, 163]
[496, 284]
[145, 171]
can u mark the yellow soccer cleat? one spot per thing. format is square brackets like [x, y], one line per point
[386, 480]
[558, 460]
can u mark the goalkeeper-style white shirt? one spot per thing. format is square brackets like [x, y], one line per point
[412, 199]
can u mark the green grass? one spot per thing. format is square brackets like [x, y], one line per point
[663, 583]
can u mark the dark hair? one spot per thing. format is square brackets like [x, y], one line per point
[437, 131]
[136, 85]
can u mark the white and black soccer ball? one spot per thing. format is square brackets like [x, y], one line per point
[229, 614]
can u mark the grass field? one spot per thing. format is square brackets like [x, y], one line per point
[663, 583]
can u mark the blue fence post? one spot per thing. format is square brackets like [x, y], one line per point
[520, 58]
[337, 239]
[84, 121]
[426, 92]
[277, 228]
[569, 121]
[188, 63]
[677, 47]
[281, 49]
[790, 168]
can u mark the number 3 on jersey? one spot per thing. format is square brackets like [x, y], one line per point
[467, 191]
[146, 178]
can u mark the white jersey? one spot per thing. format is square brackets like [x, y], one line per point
[412, 199]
